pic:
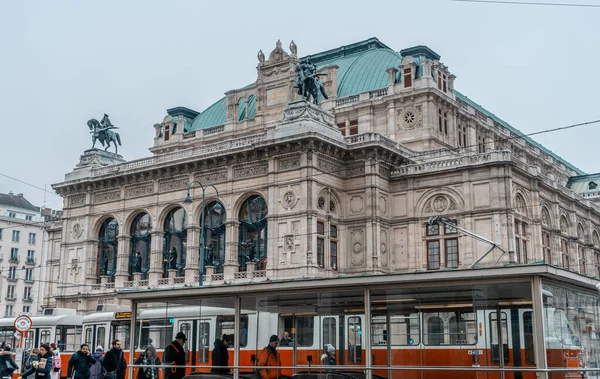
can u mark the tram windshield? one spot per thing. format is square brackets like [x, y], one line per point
[119, 330]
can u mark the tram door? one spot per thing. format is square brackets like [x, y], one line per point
[95, 335]
[510, 342]
[198, 332]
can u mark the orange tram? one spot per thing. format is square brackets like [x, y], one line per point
[494, 329]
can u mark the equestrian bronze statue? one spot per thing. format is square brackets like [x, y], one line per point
[102, 132]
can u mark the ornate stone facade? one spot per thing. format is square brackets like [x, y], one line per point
[343, 189]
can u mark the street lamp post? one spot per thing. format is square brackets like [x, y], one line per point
[217, 208]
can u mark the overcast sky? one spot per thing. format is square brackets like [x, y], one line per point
[64, 62]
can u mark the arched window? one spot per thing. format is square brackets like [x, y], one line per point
[139, 256]
[214, 236]
[242, 109]
[435, 331]
[107, 248]
[175, 242]
[253, 233]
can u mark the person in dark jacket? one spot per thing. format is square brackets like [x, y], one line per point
[41, 370]
[220, 356]
[34, 356]
[114, 362]
[175, 355]
[80, 362]
[97, 370]
[7, 364]
[148, 358]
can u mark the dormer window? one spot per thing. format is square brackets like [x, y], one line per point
[407, 77]
[442, 81]
[166, 132]
[592, 185]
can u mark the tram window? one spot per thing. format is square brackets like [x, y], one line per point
[120, 331]
[463, 328]
[101, 336]
[379, 333]
[157, 332]
[354, 340]
[435, 330]
[286, 324]
[68, 337]
[225, 325]
[306, 330]
[87, 335]
[45, 336]
[404, 331]
[528, 335]
[203, 341]
[29, 340]
[329, 331]
[494, 337]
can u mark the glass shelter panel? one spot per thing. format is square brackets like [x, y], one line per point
[445, 326]
[571, 328]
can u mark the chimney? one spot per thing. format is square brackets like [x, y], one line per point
[20, 195]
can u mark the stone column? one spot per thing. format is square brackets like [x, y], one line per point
[123, 251]
[391, 120]
[192, 254]
[231, 264]
[156, 258]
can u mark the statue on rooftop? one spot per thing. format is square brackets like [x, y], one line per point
[308, 82]
[102, 132]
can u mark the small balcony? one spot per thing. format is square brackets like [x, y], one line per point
[13, 259]
[28, 280]
[12, 278]
[28, 299]
[10, 298]
[30, 261]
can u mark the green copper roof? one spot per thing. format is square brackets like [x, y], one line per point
[361, 68]
[212, 116]
[515, 130]
[584, 183]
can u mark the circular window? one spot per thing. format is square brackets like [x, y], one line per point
[321, 203]
[409, 118]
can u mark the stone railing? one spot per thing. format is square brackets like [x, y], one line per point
[188, 135]
[378, 93]
[163, 281]
[379, 138]
[180, 155]
[347, 100]
[213, 130]
[445, 164]
[179, 280]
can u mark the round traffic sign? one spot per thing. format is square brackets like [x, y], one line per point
[23, 323]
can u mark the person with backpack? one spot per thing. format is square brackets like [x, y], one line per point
[97, 370]
[174, 355]
[80, 362]
[56, 361]
[8, 364]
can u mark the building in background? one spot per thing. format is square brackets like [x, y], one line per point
[310, 192]
[23, 251]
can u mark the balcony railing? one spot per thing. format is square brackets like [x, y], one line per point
[11, 279]
[9, 298]
[13, 259]
[28, 299]
[30, 261]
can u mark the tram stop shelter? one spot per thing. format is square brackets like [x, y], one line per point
[517, 321]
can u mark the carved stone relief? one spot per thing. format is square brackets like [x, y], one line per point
[357, 258]
[546, 217]
[289, 164]
[409, 118]
[439, 204]
[173, 185]
[77, 230]
[77, 200]
[211, 178]
[384, 256]
[289, 242]
[382, 205]
[105, 197]
[139, 190]
[245, 172]
[289, 199]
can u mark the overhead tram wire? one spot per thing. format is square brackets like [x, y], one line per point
[29, 184]
[504, 2]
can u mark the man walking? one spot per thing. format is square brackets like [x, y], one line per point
[269, 357]
[80, 362]
[220, 356]
[114, 362]
[174, 355]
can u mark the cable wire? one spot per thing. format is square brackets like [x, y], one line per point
[529, 3]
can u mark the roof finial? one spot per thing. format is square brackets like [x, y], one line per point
[278, 44]
[293, 48]
[261, 57]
